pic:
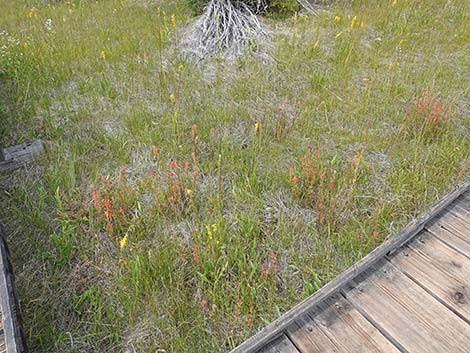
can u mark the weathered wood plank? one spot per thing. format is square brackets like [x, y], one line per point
[453, 225]
[12, 325]
[280, 345]
[415, 319]
[346, 329]
[444, 272]
[389, 246]
[17, 156]
[310, 337]
[457, 222]
[450, 238]
[461, 214]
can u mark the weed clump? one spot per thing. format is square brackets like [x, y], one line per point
[327, 186]
[425, 118]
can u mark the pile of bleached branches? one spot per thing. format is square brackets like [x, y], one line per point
[228, 26]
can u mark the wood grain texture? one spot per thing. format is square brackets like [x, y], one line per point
[414, 318]
[12, 325]
[280, 345]
[389, 246]
[343, 329]
[453, 221]
[17, 156]
[441, 270]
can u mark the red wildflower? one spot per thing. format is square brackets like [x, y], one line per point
[375, 233]
[156, 149]
[273, 256]
[194, 128]
[295, 180]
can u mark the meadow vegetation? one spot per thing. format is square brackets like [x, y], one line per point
[184, 204]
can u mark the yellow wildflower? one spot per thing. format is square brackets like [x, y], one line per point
[172, 98]
[173, 21]
[353, 21]
[103, 55]
[189, 191]
[339, 35]
[209, 232]
[256, 128]
[394, 2]
[214, 227]
[362, 24]
[181, 67]
[337, 18]
[33, 12]
[123, 241]
[317, 43]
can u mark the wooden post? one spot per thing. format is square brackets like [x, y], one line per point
[17, 156]
[2, 154]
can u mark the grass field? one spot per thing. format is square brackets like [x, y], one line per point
[182, 205]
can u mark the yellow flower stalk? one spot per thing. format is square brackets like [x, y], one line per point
[123, 241]
[353, 22]
[209, 232]
[337, 18]
[339, 35]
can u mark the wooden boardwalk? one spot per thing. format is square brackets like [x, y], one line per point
[411, 294]
[11, 333]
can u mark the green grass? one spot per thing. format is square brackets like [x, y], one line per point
[204, 269]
